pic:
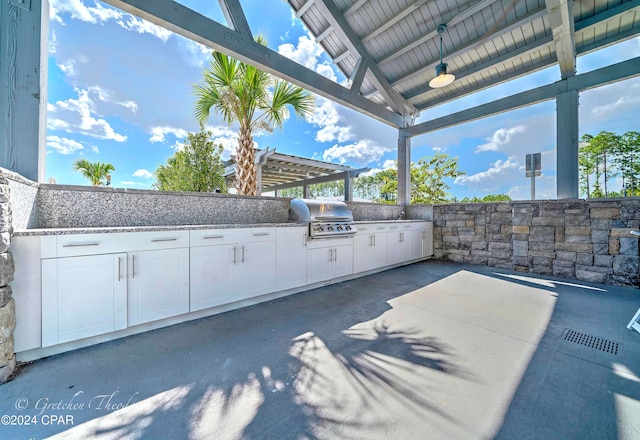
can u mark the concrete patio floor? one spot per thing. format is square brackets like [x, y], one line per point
[428, 351]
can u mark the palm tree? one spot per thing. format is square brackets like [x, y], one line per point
[98, 173]
[253, 98]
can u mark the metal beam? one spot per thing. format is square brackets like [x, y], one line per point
[560, 14]
[404, 169]
[177, 18]
[596, 78]
[336, 18]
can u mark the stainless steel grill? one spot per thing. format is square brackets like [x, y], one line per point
[326, 219]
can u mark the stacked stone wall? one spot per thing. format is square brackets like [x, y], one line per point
[7, 305]
[586, 240]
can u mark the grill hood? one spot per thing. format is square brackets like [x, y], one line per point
[306, 210]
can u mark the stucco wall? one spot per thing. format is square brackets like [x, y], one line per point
[587, 240]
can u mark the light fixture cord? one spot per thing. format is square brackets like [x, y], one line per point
[440, 48]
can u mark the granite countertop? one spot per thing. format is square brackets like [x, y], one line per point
[115, 229]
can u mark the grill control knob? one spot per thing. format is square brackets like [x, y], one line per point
[340, 228]
[348, 228]
[329, 228]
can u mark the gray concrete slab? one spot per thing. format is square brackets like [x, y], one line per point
[431, 350]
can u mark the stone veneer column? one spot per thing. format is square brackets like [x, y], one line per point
[7, 305]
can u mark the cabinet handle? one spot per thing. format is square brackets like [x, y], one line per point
[119, 266]
[394, 227]
[133, 266]
[335, 258]
[330, 255]
[260, 234]
[157, 240]
[382, 227]
[242, 247]
[402, 234]
[304, 239]
[209, 237]
[235, 254]
[80, 244]
[374, 240]
[362, 229]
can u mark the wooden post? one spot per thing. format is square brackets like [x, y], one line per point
[24, 41]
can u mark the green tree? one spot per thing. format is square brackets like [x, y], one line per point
[428, 184]
[253, 98]
[487, 198]
[98, 173]
[197, 167]
[627, 161]
[586, 165]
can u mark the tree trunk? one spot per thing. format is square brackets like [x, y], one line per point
[245, 161]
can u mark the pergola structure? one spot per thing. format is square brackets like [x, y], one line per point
[277, 171]
[388, 49]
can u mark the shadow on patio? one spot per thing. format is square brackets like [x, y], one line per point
[431, 350]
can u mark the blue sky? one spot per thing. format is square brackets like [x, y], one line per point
[120, 91]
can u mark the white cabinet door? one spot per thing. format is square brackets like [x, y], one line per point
[158, 284]
[426, 235]
[395, 247]
[213, 276]
[342, 261]
[257, 264]
[319, 264]
[291, 257]
[82, 297]
[370, 251]
[324, 263]
[363, 252]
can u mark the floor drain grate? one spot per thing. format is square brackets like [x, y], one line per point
[592, 341]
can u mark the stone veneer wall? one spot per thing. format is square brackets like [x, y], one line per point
[587, 240]
[7, 305]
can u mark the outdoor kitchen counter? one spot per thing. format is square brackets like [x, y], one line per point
[114, 229]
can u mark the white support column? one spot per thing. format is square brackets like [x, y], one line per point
[24, 40]
[404, 170]
[567, 145]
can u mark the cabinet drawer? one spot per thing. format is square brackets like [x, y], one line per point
[329, 242]
[212, 237]
[95, 244]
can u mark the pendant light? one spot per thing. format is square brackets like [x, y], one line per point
[442, 78]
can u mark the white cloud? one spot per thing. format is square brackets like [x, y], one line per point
[500, 138]
[159, 134]
[145, 174]
[334, 133]
[327, 71]
[105, 95]
[53, 41]
[144, 27]
[77, 115]
[624, 102]
[497, 169]
[63, 145]
[307, 52]
[98, 14]
[95, 149]
[227, 137]
[360, 153]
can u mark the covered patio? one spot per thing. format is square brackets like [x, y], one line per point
[434, 350]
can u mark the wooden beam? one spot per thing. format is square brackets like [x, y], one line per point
[434, 32]
[595, 78]
[471, 45]
[582, 26]
[358, 76]
[393, 20]
[235, 17]
[353, 8]
[304, 8]
[177, 18]
[334, 15]
[560, 14]
[324, 34]
[312, 181]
